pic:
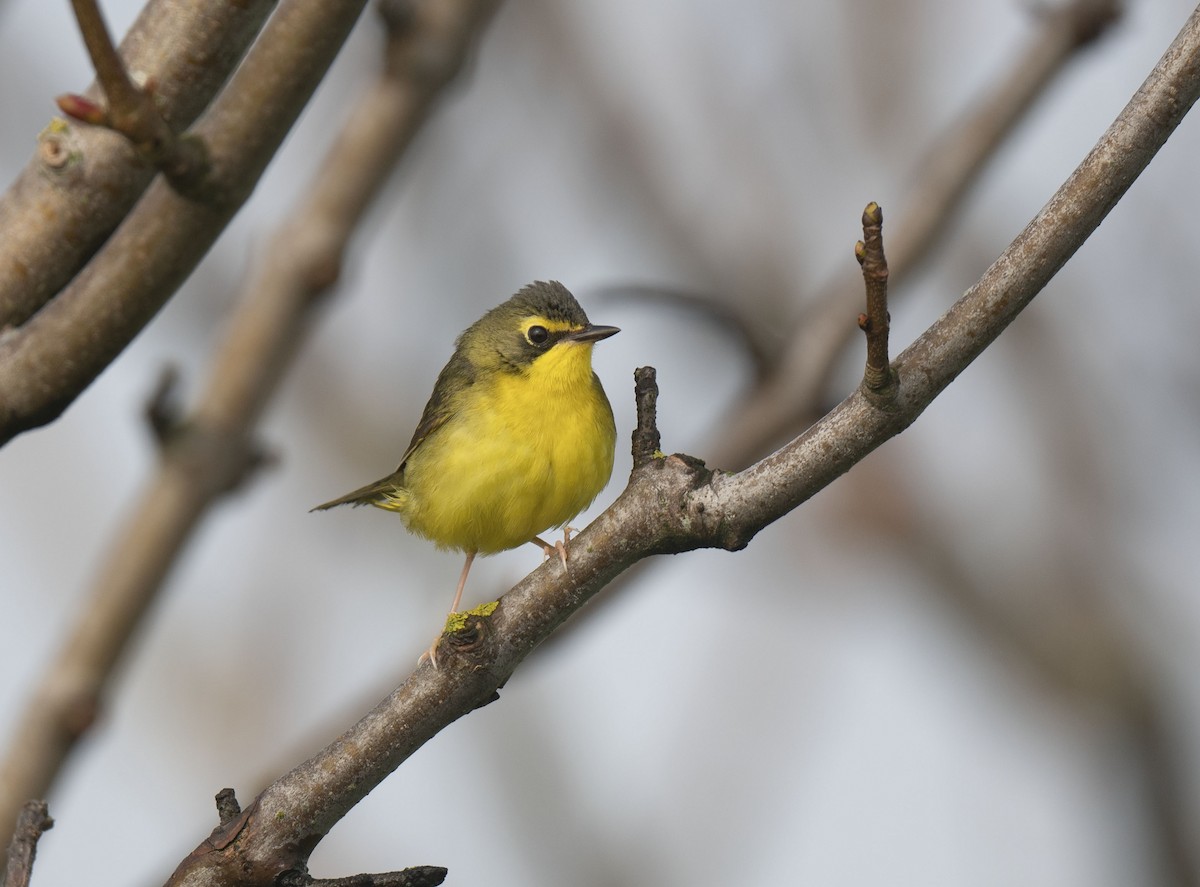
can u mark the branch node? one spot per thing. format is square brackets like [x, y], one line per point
[131, 110]
[59, 152]
[421, 43]
[398, 16]
[647, 442]
[1087, 20]
[465, 632]
[163, 411]
[875, 379]
[876, 321]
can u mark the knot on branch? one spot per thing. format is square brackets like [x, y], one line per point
[465, 633]
[428, 43]
[1087, 20]
[222, 457]
[164, 412]
[59, 152]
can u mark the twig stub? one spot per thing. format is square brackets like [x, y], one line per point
[878, 376]
[164, 413]
[647, 442]
[32, 822]
[228, 808]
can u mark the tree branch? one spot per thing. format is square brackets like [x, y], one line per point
[676, 504]
[208, 452]
[82, 180]
[131, 110]
[49, 361]
[33, 821]
[789, 397]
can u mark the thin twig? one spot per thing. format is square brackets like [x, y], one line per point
[123, 97]
[32, 822]
[875, 322]
[791, 396]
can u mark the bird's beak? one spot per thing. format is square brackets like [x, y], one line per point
[591, 333]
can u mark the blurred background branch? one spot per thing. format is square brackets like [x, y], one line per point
[796, 389]
[209, 452]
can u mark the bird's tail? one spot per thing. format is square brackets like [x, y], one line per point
[384, 493]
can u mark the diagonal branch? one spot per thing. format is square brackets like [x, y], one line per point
[675, 504]
[83, 180]
[789, 398]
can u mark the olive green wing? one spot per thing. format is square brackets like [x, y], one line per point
[454, 377]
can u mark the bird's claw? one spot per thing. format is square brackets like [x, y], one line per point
[559, 546]
[430, 655]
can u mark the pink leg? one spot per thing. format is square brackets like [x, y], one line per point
[560, 547]
[462, 582]
[431, 653]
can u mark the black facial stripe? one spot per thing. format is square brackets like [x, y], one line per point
[552, 337]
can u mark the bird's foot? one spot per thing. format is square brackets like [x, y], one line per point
[559, 546]
[430, 655]
[464, 631]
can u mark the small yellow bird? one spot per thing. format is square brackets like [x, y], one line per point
[518, 435]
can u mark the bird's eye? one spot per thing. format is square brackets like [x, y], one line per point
[537, 335]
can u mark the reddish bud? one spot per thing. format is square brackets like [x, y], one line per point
[80, 108]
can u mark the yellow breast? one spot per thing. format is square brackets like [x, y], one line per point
[523, 452]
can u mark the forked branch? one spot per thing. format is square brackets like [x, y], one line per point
[131, 110]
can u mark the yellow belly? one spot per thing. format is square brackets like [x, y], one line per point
[522, 454]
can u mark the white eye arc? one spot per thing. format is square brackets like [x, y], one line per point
[537, 335]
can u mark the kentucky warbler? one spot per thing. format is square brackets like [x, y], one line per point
[517, 437]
